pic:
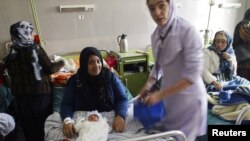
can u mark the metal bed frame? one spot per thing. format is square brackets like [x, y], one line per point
[173, 133]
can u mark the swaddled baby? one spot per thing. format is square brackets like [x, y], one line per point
[92, 128]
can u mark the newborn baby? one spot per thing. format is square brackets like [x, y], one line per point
[92, 128]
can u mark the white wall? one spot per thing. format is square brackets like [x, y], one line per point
[197, 12]
[247, 4]
[64, 32]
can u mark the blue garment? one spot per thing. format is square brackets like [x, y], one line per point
[232, 98]
[149, 115]
[6, 98]
[236, 82]
[79, 98]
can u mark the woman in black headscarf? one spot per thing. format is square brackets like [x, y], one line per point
[241, 45]
[93, 87]
[29, 68]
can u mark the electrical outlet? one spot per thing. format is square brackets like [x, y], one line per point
[178, 5]
[45, 42]
[81, 17]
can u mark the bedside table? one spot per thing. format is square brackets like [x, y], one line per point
[133, 69]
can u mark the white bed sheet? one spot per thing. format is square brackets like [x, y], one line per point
[133, 129]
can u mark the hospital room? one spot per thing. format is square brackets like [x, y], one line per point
[124, 70]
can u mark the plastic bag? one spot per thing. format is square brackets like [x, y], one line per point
[149, 115]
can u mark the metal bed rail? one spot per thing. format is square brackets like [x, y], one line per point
[242, 114]
[173, 133]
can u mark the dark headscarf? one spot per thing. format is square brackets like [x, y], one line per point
[83, 70]
[247, 15]
[97, 85]
[22, 38]
[237, 39]
[225, 66]
[21, 34]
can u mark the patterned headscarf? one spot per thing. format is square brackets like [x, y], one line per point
[21, 33]
[228, 48]
[225, 66]
[21, 36]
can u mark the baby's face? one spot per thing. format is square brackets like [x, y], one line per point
[93, 117]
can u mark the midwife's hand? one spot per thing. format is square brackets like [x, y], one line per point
[68, 130]
[118, 124]
[217, 85]
[143, 92]
[153, 98]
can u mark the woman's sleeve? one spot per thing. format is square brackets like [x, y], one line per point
[120, 96]
[234, 64]
[67, 106]
[156, 74]
[46, 63]
[193, 55]
[207, 76]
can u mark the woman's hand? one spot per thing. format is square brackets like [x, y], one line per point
[68, 130]
[226, 56]
[153, 98]
[144, 91]
[118, 124]
[217, 85]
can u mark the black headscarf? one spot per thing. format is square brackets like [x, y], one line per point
[97, 85]
[83, 70]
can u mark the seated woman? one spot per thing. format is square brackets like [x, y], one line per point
[220, 64]
[93, 87]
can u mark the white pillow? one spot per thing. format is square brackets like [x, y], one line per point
[68, 67]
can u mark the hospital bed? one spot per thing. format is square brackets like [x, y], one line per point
[53, 124]
[133, 132]
[167, 135]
